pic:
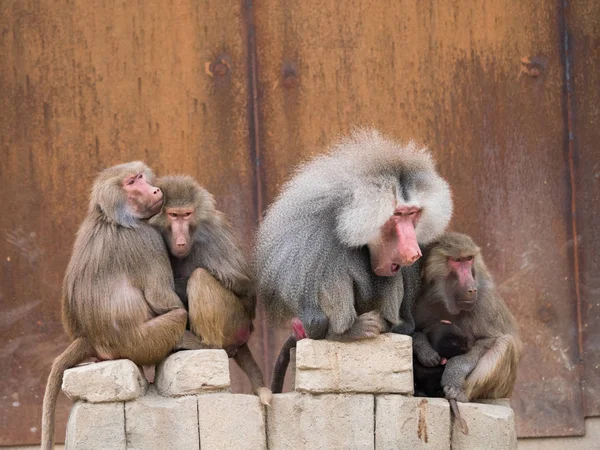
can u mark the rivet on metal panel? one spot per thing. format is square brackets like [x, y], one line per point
[546, 314]
[290, 78]
[218, 67]
[532, 66]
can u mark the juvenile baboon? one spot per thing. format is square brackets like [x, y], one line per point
[448, 341]
[117, 298]
[330, 246]
[458, 288]
[204, 252]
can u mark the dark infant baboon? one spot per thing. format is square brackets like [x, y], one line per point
[448, 341]
[118, 298]
[211, 272]
[457, 287]
[331, 246]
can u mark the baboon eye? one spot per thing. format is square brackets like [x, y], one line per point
[187, 214]
[469, 258]
[140, 175]
[173, 215]
[130, 181]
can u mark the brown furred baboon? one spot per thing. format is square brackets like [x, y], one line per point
[118, 298]
[331, 246]
[207, 258]
[458, 287]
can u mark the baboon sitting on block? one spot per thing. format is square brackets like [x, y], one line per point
[331, 246]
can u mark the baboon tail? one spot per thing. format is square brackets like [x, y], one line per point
[495, 373]
[459, 422]
[281, 365]
[75, 353]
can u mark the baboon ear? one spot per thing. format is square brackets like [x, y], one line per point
[113, 204]
[124, 216]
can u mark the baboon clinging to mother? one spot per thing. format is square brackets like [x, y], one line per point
[459, 288]
[448, 341]
[209, 265]
[330, 247]
[118, 298]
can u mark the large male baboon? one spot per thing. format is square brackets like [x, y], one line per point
[212, 271]
[330, 247]
[118, 298]
[457, 287]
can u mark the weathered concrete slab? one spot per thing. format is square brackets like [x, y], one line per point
[158, 423]
[193, 372]
[231, 421]
[491, 427]
[94, 426]
[300, 421]
[107, 381]
[380, 365]
[412, 423]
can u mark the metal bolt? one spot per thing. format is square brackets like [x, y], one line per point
[290, 77]
[290, 81]
[220, 69]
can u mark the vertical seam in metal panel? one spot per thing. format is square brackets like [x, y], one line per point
[254, 144]
[572, 177]
[253, 122]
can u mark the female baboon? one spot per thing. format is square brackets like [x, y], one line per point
[220, 292]
[118, 299]
[459, 288]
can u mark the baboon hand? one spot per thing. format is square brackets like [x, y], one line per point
[367, 326]
[429, 357]
[404, 327]
[456, 393]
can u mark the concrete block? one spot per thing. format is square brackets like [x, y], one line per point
[490, 426]
[292, 369]
[411, 423]
[382, 365]
[230, 421]
[299, 421]
[96, 427]
[193, 372]
[107, 381]
[153, 422]
[494, 401]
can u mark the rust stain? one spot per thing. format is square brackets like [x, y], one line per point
[422, 426]
[533, 66]
[572, 177]
[571, 156]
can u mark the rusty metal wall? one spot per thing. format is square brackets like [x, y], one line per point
[236, 93]
[85, 85]
[583, 97]
[482, 84]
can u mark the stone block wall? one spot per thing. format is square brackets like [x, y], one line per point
[346, 396]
